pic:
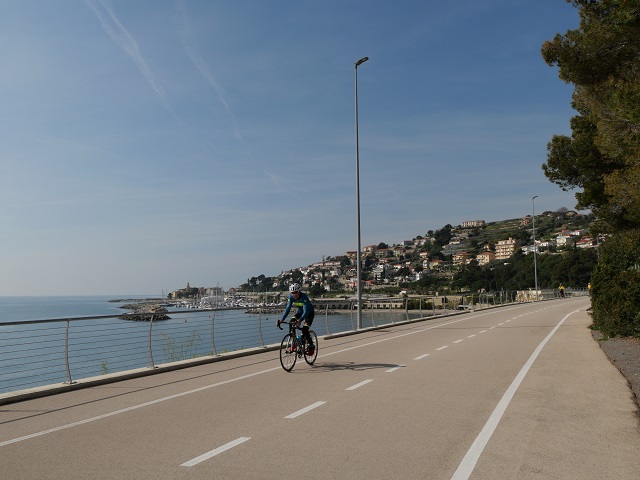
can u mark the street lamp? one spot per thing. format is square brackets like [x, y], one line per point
[535, 249]
[359, 257]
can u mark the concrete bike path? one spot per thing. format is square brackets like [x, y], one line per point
[408, 401]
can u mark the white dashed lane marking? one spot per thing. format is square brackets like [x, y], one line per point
[305, 410]
[397, 367]
[217, 451]
[358, 385]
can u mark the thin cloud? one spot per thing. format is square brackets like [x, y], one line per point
[277, 180]
[187, 41]
[124, 40]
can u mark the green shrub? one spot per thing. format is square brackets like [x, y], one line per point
[616, 286]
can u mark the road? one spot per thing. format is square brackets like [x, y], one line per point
[518, 392]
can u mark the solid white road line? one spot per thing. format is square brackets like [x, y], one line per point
[305, 410]
[358, 385]
[213, 453]
[135, 407]
[471, 458]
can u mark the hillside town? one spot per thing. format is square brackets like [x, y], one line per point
[436, 253]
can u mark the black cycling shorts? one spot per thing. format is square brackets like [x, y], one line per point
[308, 320]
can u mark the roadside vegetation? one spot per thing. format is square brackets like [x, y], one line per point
[601, 158]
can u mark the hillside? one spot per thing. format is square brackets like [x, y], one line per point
[439, 254]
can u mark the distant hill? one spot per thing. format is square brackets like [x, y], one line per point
[426, 254]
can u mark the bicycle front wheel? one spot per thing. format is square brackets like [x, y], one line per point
[288, 354]
[311, 358]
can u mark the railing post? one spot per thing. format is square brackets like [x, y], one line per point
[213, 337]
[66, 355]
[351, 304]
[151, 364]
[326, 318]
[373, 320]
[406, 308]
[260, 327]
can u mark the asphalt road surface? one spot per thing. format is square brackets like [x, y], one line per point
[518, 392]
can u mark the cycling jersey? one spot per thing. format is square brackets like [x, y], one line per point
[303, 305]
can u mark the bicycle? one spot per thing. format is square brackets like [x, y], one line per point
[291, 349]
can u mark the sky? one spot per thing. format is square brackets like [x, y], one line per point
[150, 143]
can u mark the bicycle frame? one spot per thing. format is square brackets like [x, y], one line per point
[291, 349]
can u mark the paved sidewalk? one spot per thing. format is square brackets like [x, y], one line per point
[574, 417]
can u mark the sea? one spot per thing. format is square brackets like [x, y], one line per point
[23, 308]
[33, 349]
[32, 352]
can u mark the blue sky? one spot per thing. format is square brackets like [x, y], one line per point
[150, 143]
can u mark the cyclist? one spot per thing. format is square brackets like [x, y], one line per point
[561, 290]
[304, 313]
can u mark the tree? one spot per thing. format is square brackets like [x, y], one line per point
[616, 286]
[602, 156]
[443, 236]
[316, 290]
[344, 261]
[297, 277]
[403, 272]
[602, 59]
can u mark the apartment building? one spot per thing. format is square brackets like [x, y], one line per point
[506, 248]
[485, 257]
[461, 258]
[473, 223]
[587, 242]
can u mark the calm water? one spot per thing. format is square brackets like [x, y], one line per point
[13, 309]
[34, 354]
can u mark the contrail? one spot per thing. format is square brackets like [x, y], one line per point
[123, 38]
[187, 42]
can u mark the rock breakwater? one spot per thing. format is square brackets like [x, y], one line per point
[143, 312]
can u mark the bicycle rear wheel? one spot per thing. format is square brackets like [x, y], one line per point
[311, 358]
[288, 355]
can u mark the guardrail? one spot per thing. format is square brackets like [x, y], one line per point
[66, 350]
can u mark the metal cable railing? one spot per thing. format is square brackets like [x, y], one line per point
[56, 351]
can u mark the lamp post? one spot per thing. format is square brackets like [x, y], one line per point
[535, 249]
[359, 256]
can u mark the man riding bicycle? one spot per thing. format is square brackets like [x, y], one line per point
[304, 313]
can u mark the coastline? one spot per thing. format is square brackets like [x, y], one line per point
[137, 300]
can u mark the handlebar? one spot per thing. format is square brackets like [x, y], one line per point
[293, 322]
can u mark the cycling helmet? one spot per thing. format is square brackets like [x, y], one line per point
[294, 287]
